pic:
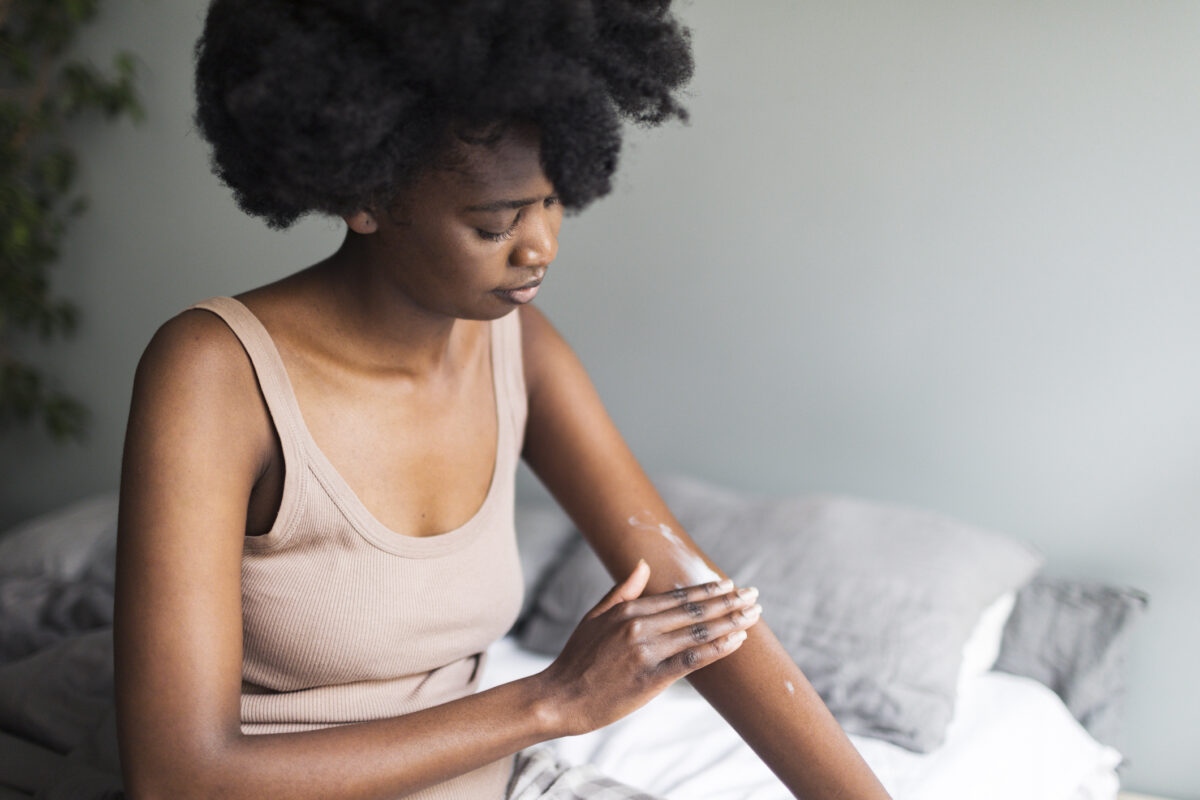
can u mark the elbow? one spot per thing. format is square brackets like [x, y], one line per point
[166, 784]
[145, 784]
[157, 775]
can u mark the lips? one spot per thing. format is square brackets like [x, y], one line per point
[521, 294]
[533, 284]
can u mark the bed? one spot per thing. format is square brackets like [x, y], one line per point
[960, 666]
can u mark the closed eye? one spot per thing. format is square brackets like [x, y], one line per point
[507, 233]
[511, 230]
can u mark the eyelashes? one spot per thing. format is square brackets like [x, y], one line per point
[504, 234]
[511, 230]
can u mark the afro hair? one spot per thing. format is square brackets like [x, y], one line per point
[331, 106]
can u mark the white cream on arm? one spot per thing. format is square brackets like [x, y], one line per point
[692, 565]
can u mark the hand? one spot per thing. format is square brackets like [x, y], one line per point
[629, 648]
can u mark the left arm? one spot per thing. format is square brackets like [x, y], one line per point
[577, 452]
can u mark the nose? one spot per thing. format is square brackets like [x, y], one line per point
[537, 244]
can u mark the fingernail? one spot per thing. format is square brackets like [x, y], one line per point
[737, 636]
[754, 610]
[725, 585]
[748, 593]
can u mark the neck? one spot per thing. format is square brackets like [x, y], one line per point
[378, 324]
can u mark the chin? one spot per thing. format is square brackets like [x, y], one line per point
[486, 312]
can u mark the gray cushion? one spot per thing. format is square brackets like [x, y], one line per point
[38, 612]
[56, 576]
[58, 695]
[1073, 636]
[64, 543]
[874, 602]
[543, 535]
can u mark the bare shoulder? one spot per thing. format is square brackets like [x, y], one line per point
[195, 346]
[543, 349]
[195, 388]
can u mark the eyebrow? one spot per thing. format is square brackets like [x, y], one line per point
[503, 205]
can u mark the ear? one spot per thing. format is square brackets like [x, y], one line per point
[362, 222]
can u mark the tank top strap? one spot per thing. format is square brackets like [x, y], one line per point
[268, 366]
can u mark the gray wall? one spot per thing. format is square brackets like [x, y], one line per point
[940, 253]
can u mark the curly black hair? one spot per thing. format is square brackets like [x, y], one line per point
[331, 106]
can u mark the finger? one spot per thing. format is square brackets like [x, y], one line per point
[698, 656]
[681, 596]
[692, 612]
[703, 631]
[628, 589]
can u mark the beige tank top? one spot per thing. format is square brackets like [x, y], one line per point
[345, 620]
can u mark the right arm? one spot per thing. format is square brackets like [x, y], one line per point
[198, 438]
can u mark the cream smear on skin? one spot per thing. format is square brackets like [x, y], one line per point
[692, 565]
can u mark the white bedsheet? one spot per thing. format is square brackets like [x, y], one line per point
[1011, 738]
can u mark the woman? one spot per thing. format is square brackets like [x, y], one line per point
[316, 538]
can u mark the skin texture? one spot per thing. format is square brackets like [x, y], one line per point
[386, 343]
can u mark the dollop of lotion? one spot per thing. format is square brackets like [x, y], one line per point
[692, 565]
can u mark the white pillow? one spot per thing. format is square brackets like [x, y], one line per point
[983, 647]
[60, 544]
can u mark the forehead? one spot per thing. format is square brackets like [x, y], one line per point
[507, 167]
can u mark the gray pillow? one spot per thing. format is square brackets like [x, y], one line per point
[56, 696]
[36, 613]
[63, 543]
[874, 602]
[1073, 636]
[543, 535]
[56, 576]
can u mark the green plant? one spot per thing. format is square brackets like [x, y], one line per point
[41, 88]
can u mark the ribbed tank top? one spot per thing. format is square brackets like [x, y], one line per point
[345, 620]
